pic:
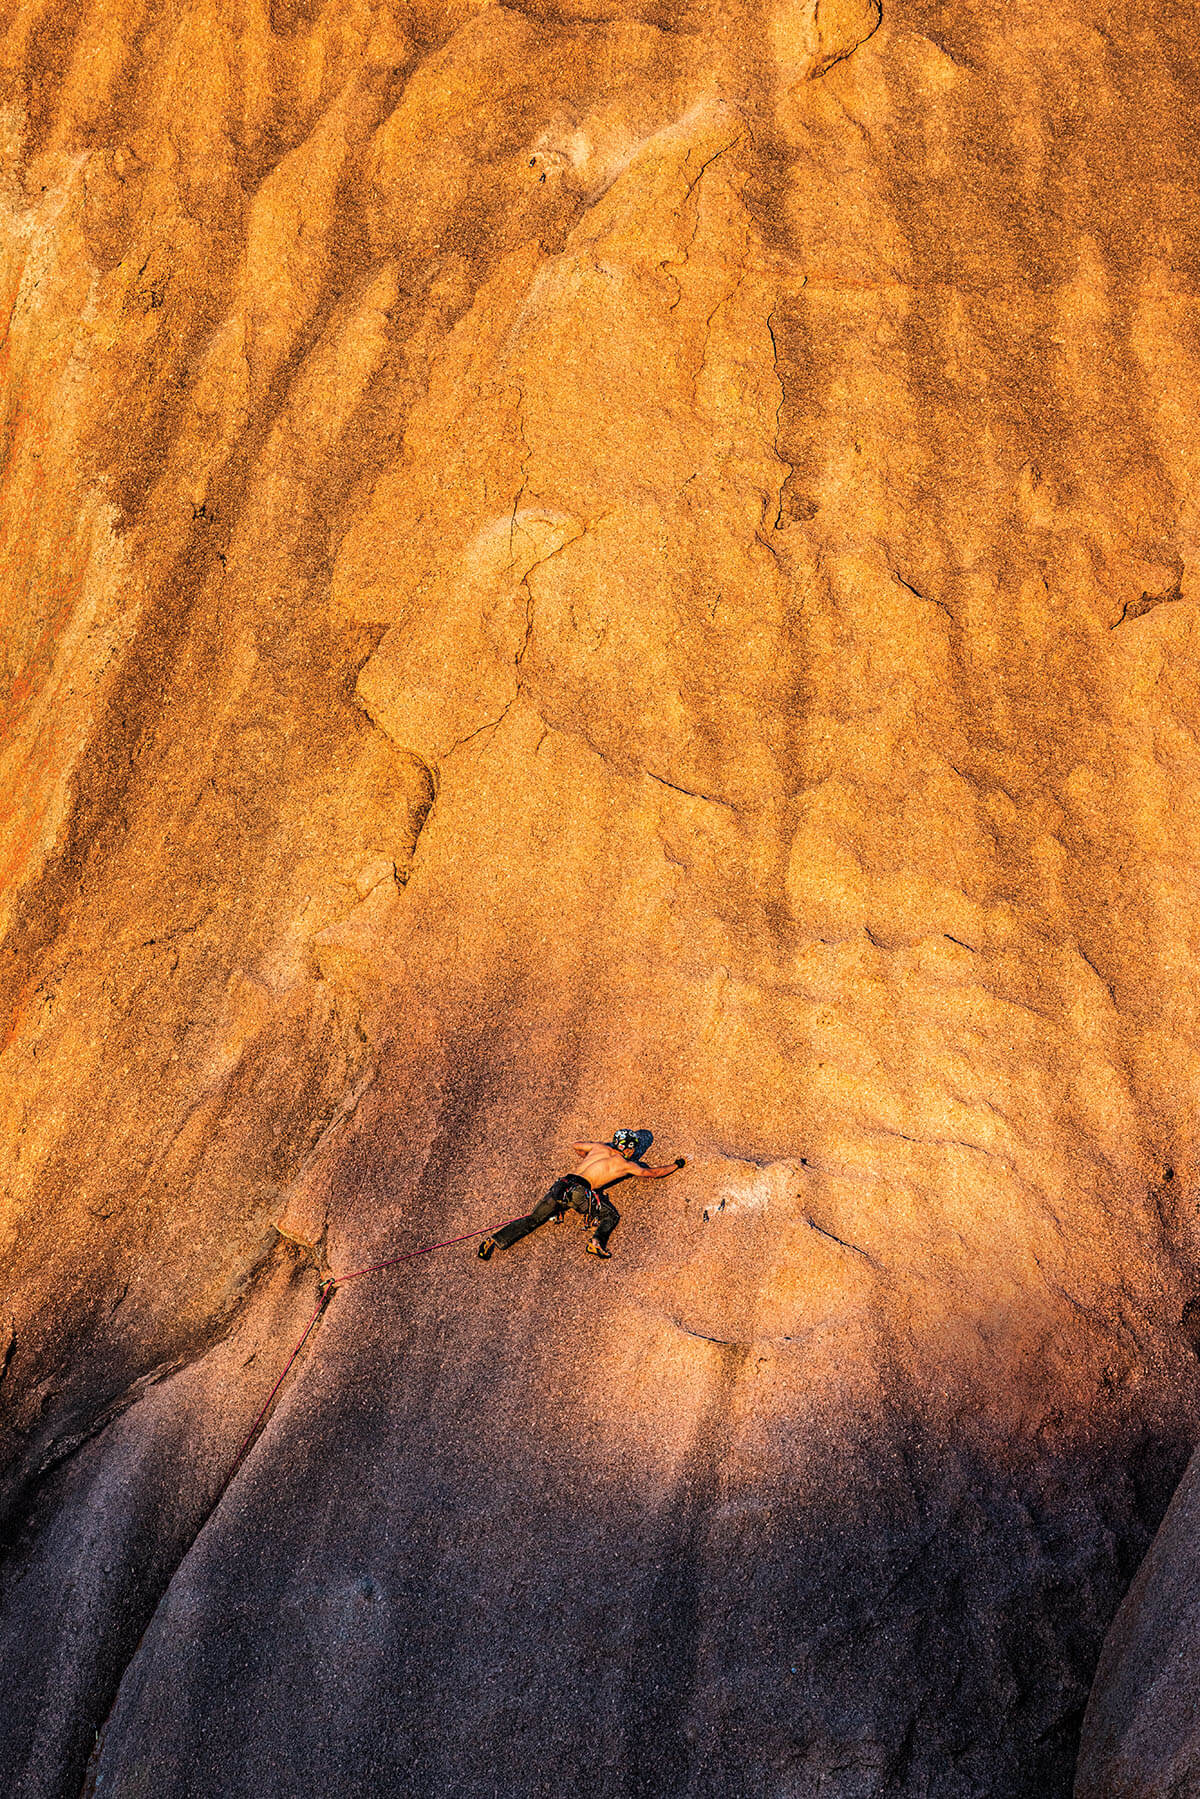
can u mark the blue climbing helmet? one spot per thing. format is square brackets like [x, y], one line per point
[633, 1144]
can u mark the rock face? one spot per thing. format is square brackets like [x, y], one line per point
[1141, 1735]
[568, 567]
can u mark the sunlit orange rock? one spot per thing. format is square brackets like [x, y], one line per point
[563, 570]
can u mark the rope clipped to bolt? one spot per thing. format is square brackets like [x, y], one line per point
[326, 1289]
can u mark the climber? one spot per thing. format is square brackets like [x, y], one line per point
[584, 1190]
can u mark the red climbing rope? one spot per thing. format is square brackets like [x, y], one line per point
[327, 1288]
[339, 1280]
[326, 1296]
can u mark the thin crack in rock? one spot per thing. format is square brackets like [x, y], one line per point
[779, 456]
[721, 1342]
[842, 1243]
[688, 192]
[708, 798]
[929, 599]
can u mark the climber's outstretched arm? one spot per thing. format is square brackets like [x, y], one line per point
[655, 1173]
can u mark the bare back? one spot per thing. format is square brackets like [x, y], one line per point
[602, 1164]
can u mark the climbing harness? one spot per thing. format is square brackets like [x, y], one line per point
[326, 1289]
[589, 1212]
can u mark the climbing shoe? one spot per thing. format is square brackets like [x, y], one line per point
[486, 1248]
[598, 1249]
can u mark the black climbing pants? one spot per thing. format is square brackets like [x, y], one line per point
[569, 1193]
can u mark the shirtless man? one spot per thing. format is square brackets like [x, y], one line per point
[602, 1165]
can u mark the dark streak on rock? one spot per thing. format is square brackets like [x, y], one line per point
[657, 1755]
